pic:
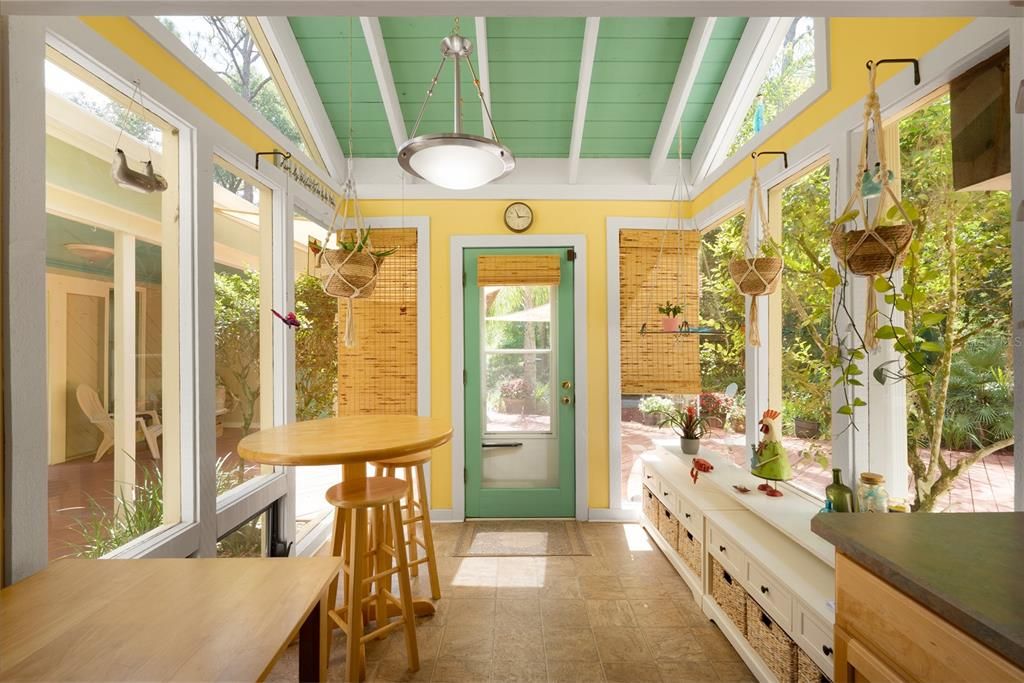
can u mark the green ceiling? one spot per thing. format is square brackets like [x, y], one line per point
[534, 69]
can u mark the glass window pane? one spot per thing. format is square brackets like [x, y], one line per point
[316, 373]
[249, 540]
[113, 457]
[241, 315]
[518, 392]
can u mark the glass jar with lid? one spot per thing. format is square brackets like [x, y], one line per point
[871, 493]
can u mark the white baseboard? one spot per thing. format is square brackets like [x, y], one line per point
[445, 515]
[613, 514]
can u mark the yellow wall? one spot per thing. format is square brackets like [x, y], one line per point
[852, 43]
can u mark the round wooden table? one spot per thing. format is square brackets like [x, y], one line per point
[349, 441]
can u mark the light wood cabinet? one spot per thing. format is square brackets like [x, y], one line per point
[884, 636]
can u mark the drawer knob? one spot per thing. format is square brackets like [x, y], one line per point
[827, 650]
[687, 514]
[666, 493]
[764, 589]
[650, 476]
[721, 548]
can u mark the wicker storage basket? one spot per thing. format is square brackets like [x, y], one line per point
[807, 671]
[873, 256]
[730, 596]
[770, 642]
[756, 276]
[355, 277]
[650, 506]
[689, 549]
[668, 525]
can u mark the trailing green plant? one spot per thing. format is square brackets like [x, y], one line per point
[361, 242]
[687, 423]
[670, 310]
[104, 530]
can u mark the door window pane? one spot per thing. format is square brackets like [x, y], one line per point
[113, 456]
[242, 319]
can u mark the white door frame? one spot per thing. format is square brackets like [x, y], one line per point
[578, 243]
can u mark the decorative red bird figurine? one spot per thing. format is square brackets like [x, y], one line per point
[290, 320]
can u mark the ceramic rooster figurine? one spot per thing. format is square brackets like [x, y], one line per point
[769, 459]
[128, 178]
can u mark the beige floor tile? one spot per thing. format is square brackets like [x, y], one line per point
[556, 566]
[618, 672]
[690, 611]
[518, 592]
[671, 643]
[468, 642]
[609, 613]
[557, 614]
[519, 671]
[575, 672]
[518, 643]
[733, 672]
[397, 671]
[570, 645]
[428, 642]
[470, 611]
[596, 587]
[591, 566]
[696, 671]
[560, 587]
[459, 670]
[656, 613]
[617, 644]
[522, 613]
[715, 645]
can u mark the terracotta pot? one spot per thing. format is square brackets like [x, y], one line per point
[669, 324]
[715, 422]
[514, 406]
[691, 446]
[806, 429]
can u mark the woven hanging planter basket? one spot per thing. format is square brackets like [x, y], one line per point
[873, 252]
[756, 276]
[349, 274]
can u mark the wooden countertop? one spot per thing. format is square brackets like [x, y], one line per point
[966, 567]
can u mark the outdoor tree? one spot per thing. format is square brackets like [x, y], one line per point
[316, 350]
[236, 325]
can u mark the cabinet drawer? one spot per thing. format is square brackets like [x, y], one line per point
[726, 551]
[769, 593]
[650, 478]
[814, 637]
[690, 517]
[667, 495]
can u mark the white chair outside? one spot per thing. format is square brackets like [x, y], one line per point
[93, 408]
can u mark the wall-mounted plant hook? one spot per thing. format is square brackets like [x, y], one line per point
[286, 155]
[917, 66]
[784, 155]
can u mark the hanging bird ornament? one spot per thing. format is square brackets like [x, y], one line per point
[123, 174]
[290, 320]
[769, 461]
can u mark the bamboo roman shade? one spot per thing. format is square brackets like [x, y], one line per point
[378, 374]
[512, 270]
[658, 363]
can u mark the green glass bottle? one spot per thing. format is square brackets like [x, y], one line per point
[840, 496]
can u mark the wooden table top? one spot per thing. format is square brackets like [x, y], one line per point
[345, 440]
[155, 620]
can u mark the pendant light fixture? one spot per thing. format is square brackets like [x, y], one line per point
[456, 160]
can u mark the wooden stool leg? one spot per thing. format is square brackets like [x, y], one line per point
[357, 572]
[410, 511]
[337, 538]
[405, 587]
[428, 534]
[381, 564]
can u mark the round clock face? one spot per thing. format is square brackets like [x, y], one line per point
[518, 217]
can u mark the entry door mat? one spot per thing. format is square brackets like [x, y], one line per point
[521, 538]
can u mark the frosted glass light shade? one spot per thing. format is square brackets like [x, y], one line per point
[456, 161]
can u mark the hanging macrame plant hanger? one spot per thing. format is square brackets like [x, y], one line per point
[122, 173]
[756, 275]
[875, 249]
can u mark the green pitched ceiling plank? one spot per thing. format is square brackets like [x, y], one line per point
[724, 39]
[325, 44]
[636, 63]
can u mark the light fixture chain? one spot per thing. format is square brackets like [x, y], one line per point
[483, 100]
[430, 93]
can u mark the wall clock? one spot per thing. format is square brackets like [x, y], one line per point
[518, 217]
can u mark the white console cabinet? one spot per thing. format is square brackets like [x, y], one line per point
[771, 573]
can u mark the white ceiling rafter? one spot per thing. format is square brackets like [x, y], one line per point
[761, 40]
[483, 65]
[307, 99]
[693, 54]
[385, 79]
[579, 116]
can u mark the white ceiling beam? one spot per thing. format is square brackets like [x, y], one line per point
[297, 78]
[522, 8]
[579, 116]
[693, 54]
[483, 65]
[385, 79]
[758, 46]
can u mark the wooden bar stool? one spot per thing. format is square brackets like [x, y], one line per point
[417, 511]
[370, 512]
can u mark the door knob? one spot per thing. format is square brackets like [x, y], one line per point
[566, 384]
[566, 400]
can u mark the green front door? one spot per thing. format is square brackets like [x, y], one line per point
[520, 392]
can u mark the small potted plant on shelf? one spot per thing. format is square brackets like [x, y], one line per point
[671, 311]
[688, 424]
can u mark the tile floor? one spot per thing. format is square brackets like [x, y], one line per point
[621, 614]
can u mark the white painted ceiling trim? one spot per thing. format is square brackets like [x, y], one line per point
[693, 54]
[311, 108]
[483, 65]
[385, 79]
[582, 95]
[761, 40]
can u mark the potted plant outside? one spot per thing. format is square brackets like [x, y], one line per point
[651, 408]
[688, 424]
[671, 311]
[514, 393]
